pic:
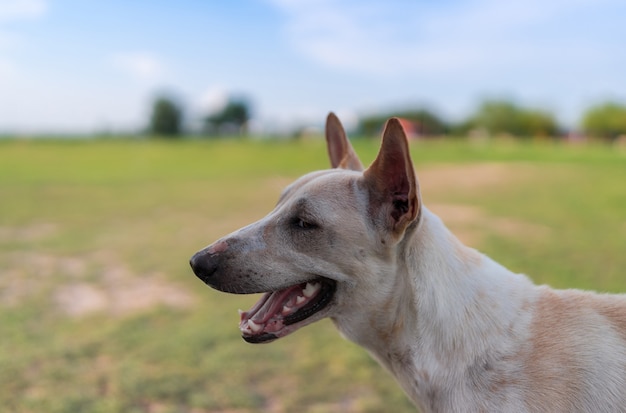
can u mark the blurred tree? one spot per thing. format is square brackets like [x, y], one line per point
[497, 117]
[232, 119]
[166, 118]
[539, 123]
[372, 125]
[607, 120]
[424, 121]
[503, 117]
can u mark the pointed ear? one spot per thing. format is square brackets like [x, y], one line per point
[340, 151]
[391, 180]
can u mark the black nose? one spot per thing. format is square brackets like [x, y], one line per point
[204, 265]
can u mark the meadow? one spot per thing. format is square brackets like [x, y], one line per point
[100, 312]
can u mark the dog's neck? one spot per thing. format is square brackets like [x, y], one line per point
[452, 309]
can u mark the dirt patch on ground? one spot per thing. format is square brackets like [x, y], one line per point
[115, 289]
[26, 274]
[128, 295]
[79, 286]
[472, 177]
[29, 233]
[471, 224]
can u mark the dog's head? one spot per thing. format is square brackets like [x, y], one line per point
[333, 238]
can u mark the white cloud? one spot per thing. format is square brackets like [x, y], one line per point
[555, 53]
[12, 10]
[22, 9]
[15, 10]
[143, 66]
[9, 75]
[212, 100]
[7, 69]
[402, 37]
[8, 40]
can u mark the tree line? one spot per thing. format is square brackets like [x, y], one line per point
[492, 117]
[167, 118]
[501, 117]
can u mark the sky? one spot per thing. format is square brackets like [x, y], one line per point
[92, 66]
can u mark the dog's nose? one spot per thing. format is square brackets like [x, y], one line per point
[204, 265]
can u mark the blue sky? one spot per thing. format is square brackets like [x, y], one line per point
[94, 65]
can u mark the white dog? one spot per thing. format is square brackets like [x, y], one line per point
[458, 331]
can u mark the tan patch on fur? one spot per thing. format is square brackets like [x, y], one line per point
[613, 307]
[616, 316]
[548, 366]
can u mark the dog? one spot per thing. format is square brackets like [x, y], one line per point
[458, 331]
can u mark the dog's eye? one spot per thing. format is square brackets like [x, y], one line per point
[303, 224]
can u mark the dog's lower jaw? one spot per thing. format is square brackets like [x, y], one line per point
[263, 338]
[266, 337]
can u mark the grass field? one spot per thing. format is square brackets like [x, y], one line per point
[99, 311]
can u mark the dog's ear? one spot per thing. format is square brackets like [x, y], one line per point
[340, 151]
[391, 180]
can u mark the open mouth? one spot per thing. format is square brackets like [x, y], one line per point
[281, 312]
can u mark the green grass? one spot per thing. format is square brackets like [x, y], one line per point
[111, 215]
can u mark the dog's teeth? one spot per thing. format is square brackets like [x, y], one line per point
[287, 310]
[310, 289]
[240, 311]
[300, 299]
[254, 326]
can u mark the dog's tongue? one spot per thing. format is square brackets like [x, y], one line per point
[270, 304]
[269, 311]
